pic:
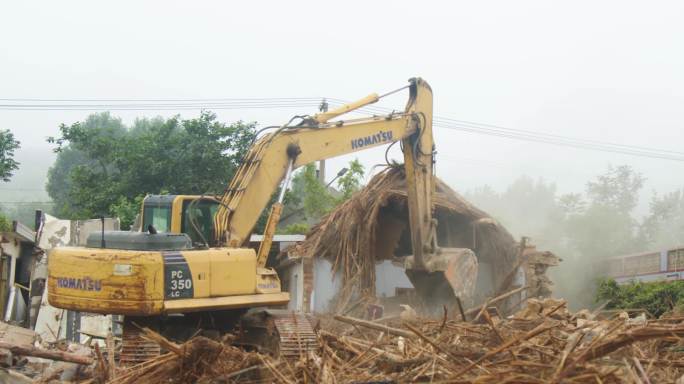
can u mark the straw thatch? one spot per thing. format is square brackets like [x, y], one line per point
[373, 226]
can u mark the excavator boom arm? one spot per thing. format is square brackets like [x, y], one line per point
[267, 163]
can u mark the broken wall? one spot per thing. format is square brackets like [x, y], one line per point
[372, 227]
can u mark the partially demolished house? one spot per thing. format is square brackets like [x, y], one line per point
[23, 271]
[17, 257]
[355, 252]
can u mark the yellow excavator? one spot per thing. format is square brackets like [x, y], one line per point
[189, 267]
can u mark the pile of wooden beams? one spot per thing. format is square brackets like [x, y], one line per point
[544, 343]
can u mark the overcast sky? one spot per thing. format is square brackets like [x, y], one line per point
[609, 70]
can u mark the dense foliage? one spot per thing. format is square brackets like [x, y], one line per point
[350, 182]
[103, 166]
[5, 223]
[657, 297]
[308, 199]
[664, 226]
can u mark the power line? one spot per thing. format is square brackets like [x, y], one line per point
[156, 104]
[186, 108]
[548, 135]
[153, 107]
[299, 102]
[575, 143]
[540, 137]
[95, 100]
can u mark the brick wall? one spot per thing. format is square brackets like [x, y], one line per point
[308, 282]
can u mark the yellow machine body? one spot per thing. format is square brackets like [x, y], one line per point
[146, 283]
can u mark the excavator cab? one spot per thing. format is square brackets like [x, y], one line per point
[189, 214]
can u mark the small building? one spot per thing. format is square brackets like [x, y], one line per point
[357, 250]
[17, 258]
[660, 265]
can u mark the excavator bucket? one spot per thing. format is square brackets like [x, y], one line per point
[447, 274]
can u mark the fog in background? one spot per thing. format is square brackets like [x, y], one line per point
[608, 71]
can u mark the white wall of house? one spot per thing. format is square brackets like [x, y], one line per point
[296, 286]
[324, 285]
[388, 277]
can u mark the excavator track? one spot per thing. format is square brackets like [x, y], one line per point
[136, 349]
[284, 334]
[280, 333]
[296, 335]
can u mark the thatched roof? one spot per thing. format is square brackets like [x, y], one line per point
[373, 226]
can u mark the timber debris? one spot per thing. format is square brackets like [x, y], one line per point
[543, 343]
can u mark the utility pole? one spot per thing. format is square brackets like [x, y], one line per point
[323, 107]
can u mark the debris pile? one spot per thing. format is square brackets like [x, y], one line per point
[199, 359]
[24, 356]
[542, 343]
[373, 226]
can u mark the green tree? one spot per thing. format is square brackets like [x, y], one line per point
[317, 199]
[5, 223]
[126, 210]
[617, 189]
[571, 203]
[8, 144]
[85, 159]
[350, 182]
[607, 226]
[103, 166]
[59, 179]
[295, 229]
[309, 200]
[664, 225]
[581, 228]
[594, 227]
[527, 207]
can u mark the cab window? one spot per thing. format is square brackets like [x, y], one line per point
[159, 216]
[198, 219]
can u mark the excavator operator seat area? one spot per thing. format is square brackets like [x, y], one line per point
[197, 219]
[189, 214]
